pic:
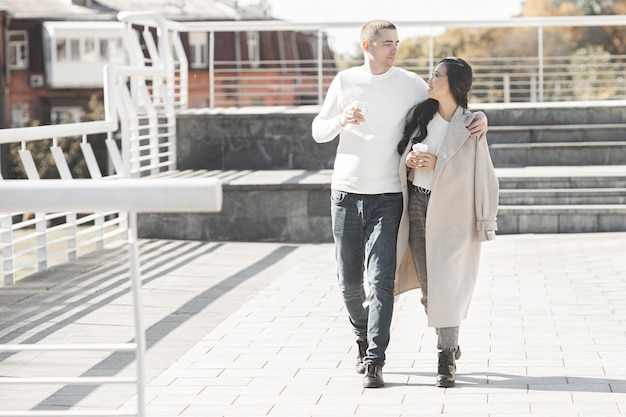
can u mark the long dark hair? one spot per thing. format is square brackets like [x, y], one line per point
[459, 75]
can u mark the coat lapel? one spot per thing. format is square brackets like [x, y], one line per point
[455, 137]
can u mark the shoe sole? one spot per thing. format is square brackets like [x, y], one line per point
[373, 384]
[445, 384]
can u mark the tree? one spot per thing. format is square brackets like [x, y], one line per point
[42, 157]
[510, 55]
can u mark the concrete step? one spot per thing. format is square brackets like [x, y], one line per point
[562, 177]
[583, 218]
[293, 205]
[558, 153]
[574, 196]
[606, 132]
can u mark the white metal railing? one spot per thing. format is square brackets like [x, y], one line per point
[138, 132]
[132, 196]
[71, 214]
[534, 78]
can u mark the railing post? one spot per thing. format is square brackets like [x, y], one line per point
[42, 247]
[140, 335]
[540, 56]
[6, 238]
[431, 53]
[211, 69]
[506, 88]
[320, 66]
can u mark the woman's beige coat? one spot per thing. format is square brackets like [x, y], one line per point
[461, 214]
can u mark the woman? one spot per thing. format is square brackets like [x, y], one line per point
[452, 204]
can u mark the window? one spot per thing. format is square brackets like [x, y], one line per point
[74, 45]
[18, 49]
[62, 50]
[112, 50]
[66, 114]
[20, 114]
[90, 50]
[199, 49]
[254, 49]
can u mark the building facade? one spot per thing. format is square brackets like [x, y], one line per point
[54, 52]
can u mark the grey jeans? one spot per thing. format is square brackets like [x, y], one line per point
[365, 229]
[447, 337]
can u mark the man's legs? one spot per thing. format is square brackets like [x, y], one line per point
[382, 215]
[347, 223]
[382, 218]
[365, 229]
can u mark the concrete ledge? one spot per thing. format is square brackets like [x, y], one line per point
[562, 219]
[293, 205]
[273, 206]
[558, 153]
[554, 196]
[563, 177]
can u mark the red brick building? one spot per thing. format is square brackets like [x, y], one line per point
[54, 51]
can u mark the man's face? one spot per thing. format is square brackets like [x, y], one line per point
[382, 51]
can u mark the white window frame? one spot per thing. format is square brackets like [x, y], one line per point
[18, 49]
[198, 50]
[254, 48]
[20, 114]
[75, 114]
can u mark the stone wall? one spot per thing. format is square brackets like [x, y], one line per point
[277, 178]
[280, 138]
[251, 139]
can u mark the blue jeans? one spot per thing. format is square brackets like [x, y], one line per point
[365, 229]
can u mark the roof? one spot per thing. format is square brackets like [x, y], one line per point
[52, 8]
[172, 9]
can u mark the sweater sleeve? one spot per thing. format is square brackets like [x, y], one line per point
[325, 126]
[487, 193]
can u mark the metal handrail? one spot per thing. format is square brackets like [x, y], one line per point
[430, 28]
[133, 196]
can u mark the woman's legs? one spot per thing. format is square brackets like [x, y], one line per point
[447, 337]
[418, 204]
[449, 352]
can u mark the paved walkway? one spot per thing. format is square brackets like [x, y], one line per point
[258, 329]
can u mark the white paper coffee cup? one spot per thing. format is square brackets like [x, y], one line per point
[361, 105]
[420, 147]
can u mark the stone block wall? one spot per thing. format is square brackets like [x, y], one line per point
[251, 139]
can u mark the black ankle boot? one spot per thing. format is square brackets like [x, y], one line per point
[373, 376]
[360, 357]
[446, 371]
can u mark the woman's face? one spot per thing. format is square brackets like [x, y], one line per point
[438, 86]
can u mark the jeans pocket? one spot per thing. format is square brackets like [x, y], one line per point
[392, 196]
[337, 197]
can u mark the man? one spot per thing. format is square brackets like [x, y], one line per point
[367, 106]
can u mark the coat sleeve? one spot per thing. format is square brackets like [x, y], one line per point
[487, 193]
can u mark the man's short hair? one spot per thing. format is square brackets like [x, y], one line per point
[370, 30]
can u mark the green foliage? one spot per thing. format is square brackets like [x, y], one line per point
[507, 58]
[43, 159]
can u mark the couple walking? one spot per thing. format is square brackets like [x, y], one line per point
[405, 219]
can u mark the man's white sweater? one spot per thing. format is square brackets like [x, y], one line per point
[367, 157]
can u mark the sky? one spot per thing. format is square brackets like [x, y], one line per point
[397, 11]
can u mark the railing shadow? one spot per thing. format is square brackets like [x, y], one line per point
[102, 286]
[497, 380]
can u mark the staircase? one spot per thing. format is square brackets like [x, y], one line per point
[561, 170]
